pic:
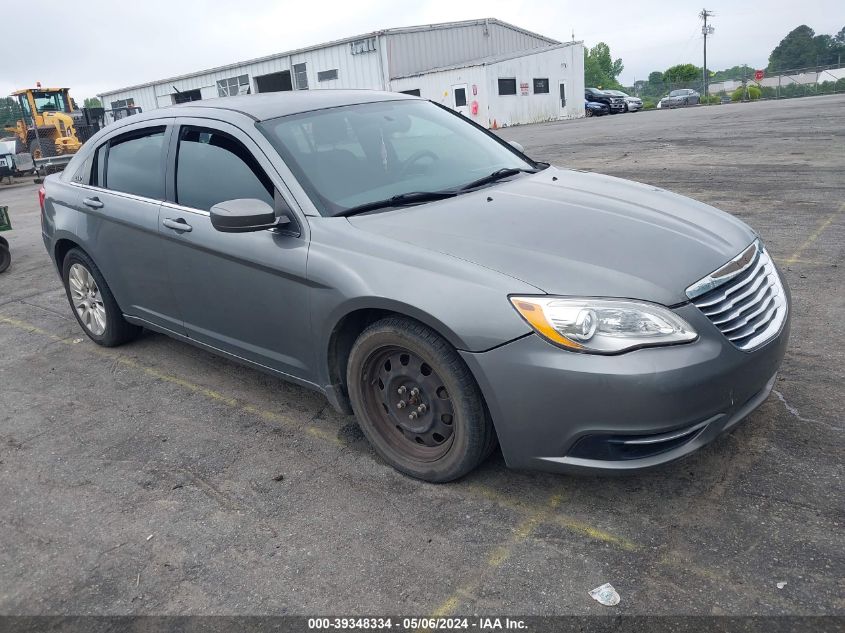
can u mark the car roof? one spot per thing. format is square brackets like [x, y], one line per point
[276, 104]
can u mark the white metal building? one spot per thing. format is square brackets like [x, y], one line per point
[495, 73]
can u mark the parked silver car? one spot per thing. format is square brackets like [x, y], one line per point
[632, 104]
[424, 274]
[680, 98]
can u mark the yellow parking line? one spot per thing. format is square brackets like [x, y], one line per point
[569, 523]
[815, 235]
[498, 556]
[211, 394]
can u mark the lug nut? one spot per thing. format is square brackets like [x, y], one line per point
[415, 392]
[401, 391]
[413, 415]
[421, 409]
[400, 404]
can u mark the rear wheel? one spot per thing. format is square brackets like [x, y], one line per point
[92, 302]
[417, 402]
[588, 112]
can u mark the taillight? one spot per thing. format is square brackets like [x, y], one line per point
[42, 195]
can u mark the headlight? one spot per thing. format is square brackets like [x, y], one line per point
[603, 326]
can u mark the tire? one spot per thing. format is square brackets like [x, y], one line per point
[438, 434]
[42, 148]
[588, 112]
[99, 315]
[5, 255]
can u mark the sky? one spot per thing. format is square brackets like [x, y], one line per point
[101, 45]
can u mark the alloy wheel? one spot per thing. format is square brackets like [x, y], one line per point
[87, 300]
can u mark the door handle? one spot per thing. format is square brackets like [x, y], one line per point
[177, 225]
[94, 203]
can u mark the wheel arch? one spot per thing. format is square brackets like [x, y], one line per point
[61, 248]
[348, 327]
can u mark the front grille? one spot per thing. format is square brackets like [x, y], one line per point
[745, 298]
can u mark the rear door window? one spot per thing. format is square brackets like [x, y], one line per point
[135, 163]
[213, 167]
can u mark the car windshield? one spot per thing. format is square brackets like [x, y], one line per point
[677, 93]
[354, 155]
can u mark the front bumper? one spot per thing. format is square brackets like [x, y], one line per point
[633, 106]
[548, 404]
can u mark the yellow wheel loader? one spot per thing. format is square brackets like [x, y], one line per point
[51, 124]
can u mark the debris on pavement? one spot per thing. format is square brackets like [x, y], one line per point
[781, 584]
[605, 595]
[150, 536]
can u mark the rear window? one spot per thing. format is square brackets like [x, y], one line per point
[135, 164]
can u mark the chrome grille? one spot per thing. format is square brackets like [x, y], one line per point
[745, 298]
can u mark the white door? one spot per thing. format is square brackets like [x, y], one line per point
[459, 98]
[562, 98]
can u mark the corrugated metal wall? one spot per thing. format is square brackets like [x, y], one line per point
[415, 51]
[559, 65]
[562, 65]
[363, 70]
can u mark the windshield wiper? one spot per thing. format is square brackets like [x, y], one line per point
[505, 172]
[412, 197]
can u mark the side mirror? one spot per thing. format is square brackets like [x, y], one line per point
[245, 215]
[517, 146]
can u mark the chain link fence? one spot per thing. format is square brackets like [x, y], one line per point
[744, 86]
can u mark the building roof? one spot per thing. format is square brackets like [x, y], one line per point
[490, 59]
[270, 105]
[345, 40]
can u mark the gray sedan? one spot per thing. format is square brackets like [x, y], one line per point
[680, 98]
[424, 274]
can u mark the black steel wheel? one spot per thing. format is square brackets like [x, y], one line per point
[417, 402]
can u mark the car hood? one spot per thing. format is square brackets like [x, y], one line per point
[574, 233]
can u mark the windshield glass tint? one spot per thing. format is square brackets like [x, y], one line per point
[348, 156]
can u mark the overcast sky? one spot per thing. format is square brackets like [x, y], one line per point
[99, 45]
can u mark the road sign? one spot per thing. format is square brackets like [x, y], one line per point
[758, 75]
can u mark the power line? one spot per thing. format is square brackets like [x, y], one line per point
[706, 30]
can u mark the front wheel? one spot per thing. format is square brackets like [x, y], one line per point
[92, 302]
[588, 113]
[417, 402]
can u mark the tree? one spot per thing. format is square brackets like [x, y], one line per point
[797, 50]
[600, 70]
[655, 77]
[10, 112]
[92, 102]
[682, 73]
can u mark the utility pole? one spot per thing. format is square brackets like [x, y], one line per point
[705, 31]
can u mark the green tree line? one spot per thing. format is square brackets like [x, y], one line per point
[801, 48]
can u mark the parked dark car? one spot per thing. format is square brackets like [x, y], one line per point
[424, 274]
[594, 108]
[680, 98]
[614, 104]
